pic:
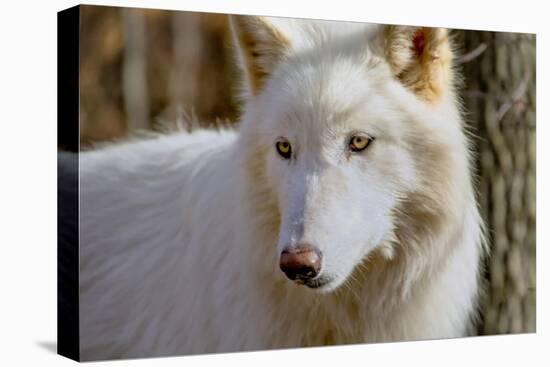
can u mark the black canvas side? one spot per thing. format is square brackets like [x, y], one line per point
[68, 31]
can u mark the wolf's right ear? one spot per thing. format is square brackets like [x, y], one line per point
[260, 46]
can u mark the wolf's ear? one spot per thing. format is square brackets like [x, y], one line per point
[420, 57]
[259, 45]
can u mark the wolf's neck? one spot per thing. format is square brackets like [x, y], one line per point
[427, 293]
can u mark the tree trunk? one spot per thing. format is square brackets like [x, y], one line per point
[500, 100]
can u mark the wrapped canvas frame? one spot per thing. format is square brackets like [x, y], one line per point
[69, 28]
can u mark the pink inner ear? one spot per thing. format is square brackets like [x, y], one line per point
[419, 41]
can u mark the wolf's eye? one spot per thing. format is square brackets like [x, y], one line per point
[284, 149]
[358, 143]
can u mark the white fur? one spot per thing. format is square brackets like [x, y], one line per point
[180, 236]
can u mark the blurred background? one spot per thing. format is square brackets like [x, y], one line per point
[149, 69]
[142, 69]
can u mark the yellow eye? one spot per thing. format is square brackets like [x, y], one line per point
[284, 149]
[359, 143]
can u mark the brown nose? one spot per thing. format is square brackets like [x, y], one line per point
[300, 262]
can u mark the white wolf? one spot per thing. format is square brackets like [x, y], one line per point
[341, 210]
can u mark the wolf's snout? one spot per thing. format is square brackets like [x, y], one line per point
[301, 262]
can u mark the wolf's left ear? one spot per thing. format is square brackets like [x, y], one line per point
[260, 46]
[420, 57]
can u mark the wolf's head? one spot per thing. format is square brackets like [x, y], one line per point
[352, 138]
